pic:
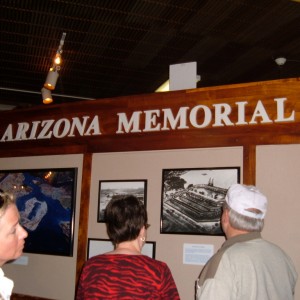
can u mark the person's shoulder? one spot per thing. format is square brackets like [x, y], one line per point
[274, 247]
[104, 258]
[259, 245]
[97, 258]
[261, 242]
[153, 261]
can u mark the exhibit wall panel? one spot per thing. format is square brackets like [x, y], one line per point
[46, 276]
[278, 176]
[148, 165]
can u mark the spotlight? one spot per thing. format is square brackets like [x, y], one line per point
[52, 76]
[46, 95]
[51, 79]
[57, 58]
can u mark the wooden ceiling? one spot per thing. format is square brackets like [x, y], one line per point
[125, 47]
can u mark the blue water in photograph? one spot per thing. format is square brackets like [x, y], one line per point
[45, 203]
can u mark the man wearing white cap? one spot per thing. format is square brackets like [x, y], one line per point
[246, 266]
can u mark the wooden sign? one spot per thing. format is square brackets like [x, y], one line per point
[242, 114]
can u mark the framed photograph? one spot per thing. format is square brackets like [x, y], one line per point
[112, 189]
[46, 202]
[192, 199]
[100, 246]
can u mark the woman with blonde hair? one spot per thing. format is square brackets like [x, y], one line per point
[12, 240]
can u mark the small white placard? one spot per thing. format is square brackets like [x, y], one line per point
[197, 254]
[22, 260]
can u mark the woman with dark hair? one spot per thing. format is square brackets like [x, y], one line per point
[125, 273]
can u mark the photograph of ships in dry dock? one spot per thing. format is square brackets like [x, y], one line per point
[192, 199]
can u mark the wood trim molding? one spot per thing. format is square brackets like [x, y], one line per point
[249, 165]
[84, 213]
[260, 113]
[15, 296]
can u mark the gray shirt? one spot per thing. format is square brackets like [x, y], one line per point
[248, 267]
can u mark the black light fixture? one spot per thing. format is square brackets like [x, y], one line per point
[53, 73]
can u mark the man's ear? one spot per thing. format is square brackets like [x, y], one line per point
[226, 215]
[225, 219]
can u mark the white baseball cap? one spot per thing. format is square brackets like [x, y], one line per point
[247, 201]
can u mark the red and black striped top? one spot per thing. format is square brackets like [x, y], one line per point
[121, 276]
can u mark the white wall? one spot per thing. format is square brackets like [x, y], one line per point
[278, 175]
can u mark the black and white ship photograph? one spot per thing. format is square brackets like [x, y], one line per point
[114, 189]
[192, 199]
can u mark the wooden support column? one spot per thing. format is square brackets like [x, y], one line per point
[249, 165]
[84, 213]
